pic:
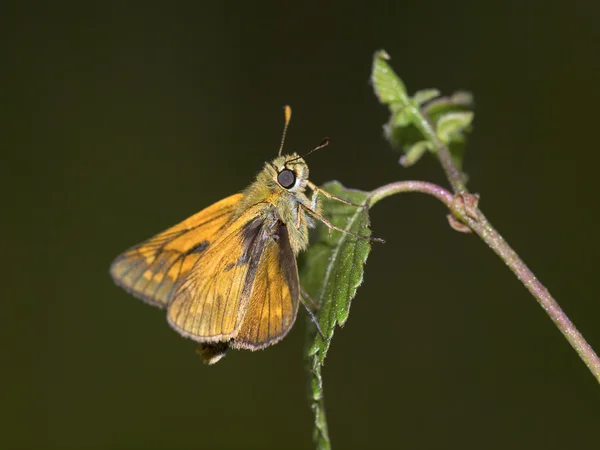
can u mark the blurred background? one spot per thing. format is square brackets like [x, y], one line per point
[120, 121]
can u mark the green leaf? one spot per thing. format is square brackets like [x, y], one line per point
[459, 101]
[453, 124]
[441, 121]
[330, 272]
[414, 153]
[423, 96]
[443, 109]
[389, 88]
[401, 117]
[333, 265]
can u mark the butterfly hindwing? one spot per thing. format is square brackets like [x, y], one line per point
[210, 302]
[152, 269]
[273, 303]
[244, 290]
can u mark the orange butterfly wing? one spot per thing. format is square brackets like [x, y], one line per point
[208, 304]
[275, 294]
[243, 289]
[152, 269]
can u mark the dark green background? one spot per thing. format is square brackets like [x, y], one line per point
[119, 121]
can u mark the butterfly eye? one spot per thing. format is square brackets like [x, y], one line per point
[286, 178]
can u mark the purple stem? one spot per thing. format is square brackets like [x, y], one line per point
[476, 221]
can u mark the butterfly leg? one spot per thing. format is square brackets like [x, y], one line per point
[303, 296]
[314, 200]
[333, 227]
[317, 190]
[313, 303]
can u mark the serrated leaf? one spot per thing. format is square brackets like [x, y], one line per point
[389, 88]
[425, 95]
[330, 272]
[442, 121]
[332, 268]
[452, 124]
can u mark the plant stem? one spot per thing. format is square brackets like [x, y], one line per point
[423, 123]
[321, 434]
[478, 223]
[474, 219]
[496, 242]
[411, 186]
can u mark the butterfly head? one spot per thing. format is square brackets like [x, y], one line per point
[289, 172]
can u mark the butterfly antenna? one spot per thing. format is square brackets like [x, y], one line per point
[324, 143]
[288, 116]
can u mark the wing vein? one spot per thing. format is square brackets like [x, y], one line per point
[164, 274]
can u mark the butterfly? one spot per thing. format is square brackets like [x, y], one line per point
[228, 275]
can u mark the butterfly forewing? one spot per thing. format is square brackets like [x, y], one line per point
[152, 269]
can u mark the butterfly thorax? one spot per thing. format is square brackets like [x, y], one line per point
[282, 204]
